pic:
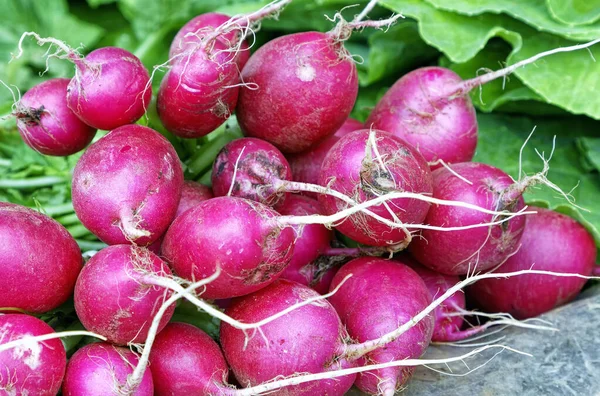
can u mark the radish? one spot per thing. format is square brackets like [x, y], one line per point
[30, 368]
[185, 360]
[46, 123]
[463, 251]
[250, 168]
[431, 109]
[200, 90]
[305, 340]
[551, 242]
[311, 241]
[127, 186]
[111, 87]
[447, 324]
[100, 369]
[306, 166]
[239, 236]
[305, 85]
[192, 193]
[39, 260]
[113, 296]
[189, 35]
[365, 164]
[380, 295]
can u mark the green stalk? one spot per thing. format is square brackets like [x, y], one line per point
[151, 40]
[88, 245]
[58, 210]
[6, 163]
[34, 182]
[206, 178]
[206, 154]
[78, 230]
[68, 219]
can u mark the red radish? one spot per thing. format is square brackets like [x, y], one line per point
[472, 250]
[127, 186]
[364, 164]
[307, 86]
[112, 297]
[305, 340]
[551, 242]
[45, 122]
[379, 296]
[192, 193]
[431, 109]
[188, 36]
[185, 360]
[250, 168]
[200, 90]
[311, 240]
[239, 236]
[31, 368]
[101, 369]
[440, 127]
[447, 324]
[39, 260]
[111, 88]
[306, 166]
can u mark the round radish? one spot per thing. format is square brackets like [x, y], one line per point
[447, 325]
[380, 295]
[307, 86]
[365, 164]
[189, 36]
[127, 186]
[110, 88]
[256, 166]
[551, 242]
[101, 369]
[200, 90]
[311, 240]
[240, 237]
[192, 193]
[477, 249]
[185, 360]
[31, 368]
[306, 166]
[46, 123]
[39, 260]
[305, 340]
[414, 109]
[112, 297]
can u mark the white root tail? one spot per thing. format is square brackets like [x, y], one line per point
[41, 338]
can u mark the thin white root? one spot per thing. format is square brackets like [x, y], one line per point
[449, 169]
[368, 8]
[300, 379]
[135, 378]
[27, 340]
[466, 86]
[188, 295]
[235, 169]
[357, 350]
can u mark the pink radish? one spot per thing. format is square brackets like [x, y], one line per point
[127, 186]
[113, 296]
[45, 122]
[192, 193]
[31, 368]
[39, 260]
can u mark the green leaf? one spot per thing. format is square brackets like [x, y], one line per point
[532, 12]
[49, 18]
[500, 139]
[574, 12]
[590, 147]
[393, 52]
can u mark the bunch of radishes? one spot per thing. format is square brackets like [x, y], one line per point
[305, 318]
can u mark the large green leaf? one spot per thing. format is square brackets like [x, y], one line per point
[501, 137]
[532, 12]
[49, 18]
[574, 12]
